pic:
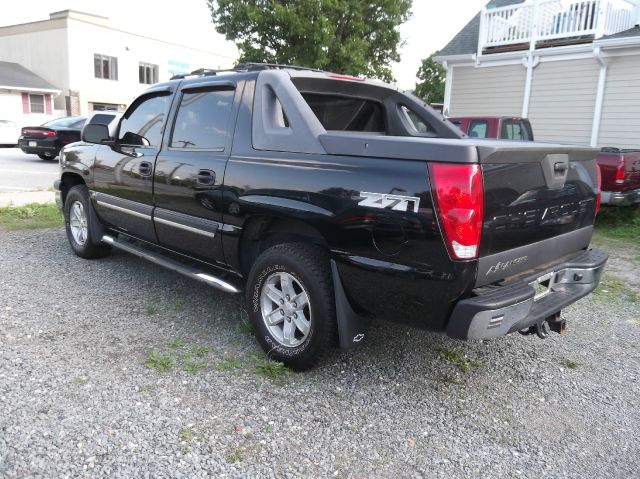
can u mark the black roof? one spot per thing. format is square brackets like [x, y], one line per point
[16, 76]
[466, 41]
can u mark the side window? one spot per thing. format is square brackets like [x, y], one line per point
[415, 121]
[478, 129]
[143, 125]
[202, 119]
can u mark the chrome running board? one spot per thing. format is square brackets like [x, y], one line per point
[176, 266]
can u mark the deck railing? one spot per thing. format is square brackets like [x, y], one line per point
[541, 20]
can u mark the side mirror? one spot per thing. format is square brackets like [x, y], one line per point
[95, 133]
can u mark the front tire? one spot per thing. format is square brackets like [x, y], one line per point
[291, 304]
[77, 220]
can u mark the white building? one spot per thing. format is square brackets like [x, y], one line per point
[94, 65]
[571, 66]
[25, 98]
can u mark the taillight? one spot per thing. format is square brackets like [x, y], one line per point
[619, 176]
[49, 133]
[599, 185]
[458, 197]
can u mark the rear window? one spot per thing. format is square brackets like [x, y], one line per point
[69, 122]
[478, 129]
[101, 119]
[344, 113]
[519, 130]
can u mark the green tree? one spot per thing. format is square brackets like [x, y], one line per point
[432, 76]
[347, 36]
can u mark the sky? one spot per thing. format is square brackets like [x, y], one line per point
[433, 24]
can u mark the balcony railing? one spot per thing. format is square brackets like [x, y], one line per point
[536, 21]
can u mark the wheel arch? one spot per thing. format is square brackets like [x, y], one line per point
[261, 232]
[68, 181]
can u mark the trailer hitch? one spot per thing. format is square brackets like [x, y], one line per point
[541, 328]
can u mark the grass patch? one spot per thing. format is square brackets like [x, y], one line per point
[268, 368]
[193, 367]
[185, 434]
[244, 327]
[31, 216]
[458, 358]
[235, 456]
[199, 351]
[175, 343]
[611, 288]
[619, 222]
[450, 380]
[151, 309]
[569, 363]
[178, 303]
[228, 364]
[160, 362]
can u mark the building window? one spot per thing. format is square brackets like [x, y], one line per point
[148, 73]
[36, 103]
[105, 67]
[105, 107]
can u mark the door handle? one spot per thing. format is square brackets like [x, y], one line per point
[145, 168]
[206, 177]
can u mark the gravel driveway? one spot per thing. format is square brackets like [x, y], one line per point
[83, 393]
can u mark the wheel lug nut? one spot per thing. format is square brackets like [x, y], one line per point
[294, 305]
[282, 301]
[288, 319]
[281, 313]
[295, 316]
[287, 297]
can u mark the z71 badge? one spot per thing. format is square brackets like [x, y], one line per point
[394, 202]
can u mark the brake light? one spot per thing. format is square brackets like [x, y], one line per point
[458, 199]
[344, 77]
[599, 185]
[619, 176]
[27, 131]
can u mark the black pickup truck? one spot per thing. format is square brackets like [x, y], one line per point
[330, 200]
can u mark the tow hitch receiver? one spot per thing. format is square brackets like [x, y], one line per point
[542, 328]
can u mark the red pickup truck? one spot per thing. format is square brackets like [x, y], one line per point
[503, 127]
[620, 171]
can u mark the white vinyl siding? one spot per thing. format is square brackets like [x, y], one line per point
[487, 91]
[563, 100]
[620, 122]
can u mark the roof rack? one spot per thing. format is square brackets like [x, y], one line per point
[242, 67]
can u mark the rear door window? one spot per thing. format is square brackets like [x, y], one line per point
[478, 129]
[518, 130]
[345, 113]
[203, 118]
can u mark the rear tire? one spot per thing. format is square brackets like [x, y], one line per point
[291, 304]
[46, 157]
[77, 220]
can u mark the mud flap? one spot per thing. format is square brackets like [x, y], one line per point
[352, 328]
[97, 230]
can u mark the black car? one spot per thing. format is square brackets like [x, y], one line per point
[47, 140]
[330, 200]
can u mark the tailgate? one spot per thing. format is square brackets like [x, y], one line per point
[539, 206]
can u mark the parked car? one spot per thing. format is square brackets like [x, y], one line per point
[620, 171]
[503, 127]
[46, 140]
[329, 200]
[9, 133]
[107, 118]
